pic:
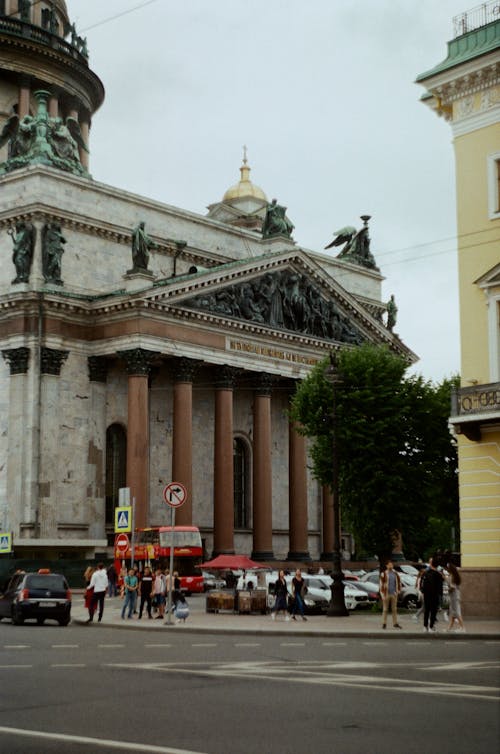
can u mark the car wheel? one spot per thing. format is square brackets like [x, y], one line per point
[40, 621]
[410, 602]
[63, 621]
[17, 618]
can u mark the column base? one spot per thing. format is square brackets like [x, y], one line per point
[216, 553]
[262, 555]
[298, 555]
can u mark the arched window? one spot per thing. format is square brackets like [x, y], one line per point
[116, 467]
[240, 464]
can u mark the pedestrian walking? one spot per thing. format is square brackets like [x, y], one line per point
[455, 609]
[145, 592]
[89, 592]
[389, 588]
[281, 597]
[131, 585]
[299, 591]
[112, 581]
[99, 583]
[432, 589]
[176, 592]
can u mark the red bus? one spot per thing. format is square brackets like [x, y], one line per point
[152, 547]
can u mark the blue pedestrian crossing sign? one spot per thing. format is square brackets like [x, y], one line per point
[123, 519]
[5, 541]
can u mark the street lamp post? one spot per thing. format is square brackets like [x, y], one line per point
[337, 608]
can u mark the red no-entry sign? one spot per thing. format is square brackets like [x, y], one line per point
[122, 543]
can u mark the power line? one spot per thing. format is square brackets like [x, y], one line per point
[118, 15]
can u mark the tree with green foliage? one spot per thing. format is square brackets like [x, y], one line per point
[397, 460]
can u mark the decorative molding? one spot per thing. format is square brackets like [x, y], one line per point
[52, 360]
[98, 368]
[264, 384]
[17, 359]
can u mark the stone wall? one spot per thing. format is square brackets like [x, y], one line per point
[480, 592]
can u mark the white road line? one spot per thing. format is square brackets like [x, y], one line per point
[96, 742]
[17, 646]
[374, 643]
[334, 644]
[16, 666]
[293, 644]
[204, 645]
[247, 644]
[159, 646]
[65, 646]
[111, 646]
[68, 665]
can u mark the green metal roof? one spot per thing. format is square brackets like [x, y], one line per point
[467, 47]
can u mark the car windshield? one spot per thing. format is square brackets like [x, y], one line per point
[45, 582]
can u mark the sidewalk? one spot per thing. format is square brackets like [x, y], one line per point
[358, 624]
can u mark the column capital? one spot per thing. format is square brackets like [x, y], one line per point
[98, 368]
[17, 359]
[184, 369]
[52, 361]
[225, 378]
[138, 361]
[264, 383]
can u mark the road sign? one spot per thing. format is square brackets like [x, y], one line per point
[5, 541]
[122, 543]
[123, 519]
[175, 494]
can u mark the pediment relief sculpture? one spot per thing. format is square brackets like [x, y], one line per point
[285, 300]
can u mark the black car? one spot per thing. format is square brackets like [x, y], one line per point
[37, 596]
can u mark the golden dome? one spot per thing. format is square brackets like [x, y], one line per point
[245, 189]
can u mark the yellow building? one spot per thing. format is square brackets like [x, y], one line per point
[465, 90]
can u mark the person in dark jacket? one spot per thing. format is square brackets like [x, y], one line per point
[281, 595]
[431, 585]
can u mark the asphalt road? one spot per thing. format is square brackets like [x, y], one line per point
[96, 689]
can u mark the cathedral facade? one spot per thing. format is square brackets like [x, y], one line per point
[143, 343]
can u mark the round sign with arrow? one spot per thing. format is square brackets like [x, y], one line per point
[175, 494]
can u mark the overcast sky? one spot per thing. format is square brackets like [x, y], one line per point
[322, 92]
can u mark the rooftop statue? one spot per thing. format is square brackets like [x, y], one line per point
[357, 245]
[141, 244]
[41, 139]
[392, 313]
[276, 223]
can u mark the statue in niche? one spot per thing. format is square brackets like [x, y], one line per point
[141, 244]
[52, 250]
[392, 313]
[276, 223]
[22, 254]
[356, 245]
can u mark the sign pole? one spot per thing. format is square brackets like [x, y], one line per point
[133, 534]
[170, 581]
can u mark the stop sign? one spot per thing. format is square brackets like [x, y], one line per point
[122, 543]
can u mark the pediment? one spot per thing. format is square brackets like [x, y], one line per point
[491, 279]
[288, 293]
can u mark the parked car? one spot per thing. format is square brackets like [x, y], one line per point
[38, 596]
[211, 581]
[353, 596]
